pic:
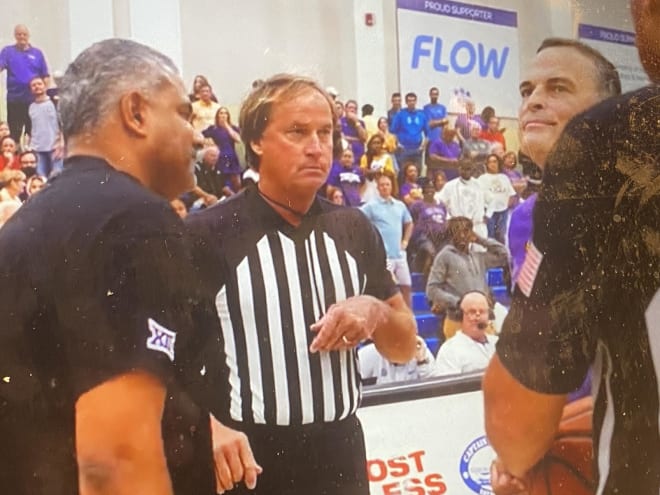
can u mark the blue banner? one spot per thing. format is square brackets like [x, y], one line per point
[599, 33]
[462, 11]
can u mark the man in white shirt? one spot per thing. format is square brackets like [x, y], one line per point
[374, 366]
[471, 348]
[463, 197]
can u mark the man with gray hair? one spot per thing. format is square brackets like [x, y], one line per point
[94, 333]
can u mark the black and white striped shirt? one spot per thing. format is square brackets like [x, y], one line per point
[270, 282]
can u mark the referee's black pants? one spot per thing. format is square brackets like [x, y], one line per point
[324, 459]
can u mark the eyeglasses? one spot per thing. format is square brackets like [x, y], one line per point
[28, 162]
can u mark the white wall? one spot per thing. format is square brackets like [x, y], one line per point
[235, 42]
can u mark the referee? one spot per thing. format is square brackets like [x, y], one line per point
[592, 295]
[92, 321]
[298, 283]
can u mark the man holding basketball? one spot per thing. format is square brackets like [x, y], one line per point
[591, 296]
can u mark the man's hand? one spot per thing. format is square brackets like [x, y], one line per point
[210, 199]
[420, 350]
[504, 483]
[347, 323]
[233, 458]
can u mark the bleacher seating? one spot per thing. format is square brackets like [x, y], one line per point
[428, 324]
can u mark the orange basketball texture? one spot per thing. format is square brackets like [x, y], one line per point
[567, 468]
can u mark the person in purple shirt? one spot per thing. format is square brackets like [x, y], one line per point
[353, 129]
[23, 63]
[464, 121]
[347, 177]
[429, 234]
[225, 136]
[444, 154]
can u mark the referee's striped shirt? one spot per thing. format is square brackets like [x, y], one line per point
[270, 283]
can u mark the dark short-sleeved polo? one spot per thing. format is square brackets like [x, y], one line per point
[588, 292]
[94, 283]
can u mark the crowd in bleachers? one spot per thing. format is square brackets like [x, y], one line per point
[439, 166]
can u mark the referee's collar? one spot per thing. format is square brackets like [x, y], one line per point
[263, 210]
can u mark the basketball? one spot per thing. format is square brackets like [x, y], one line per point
[567, 468]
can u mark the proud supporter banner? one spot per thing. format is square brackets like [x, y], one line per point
[430, 446]
[463, 49]
[619, 48]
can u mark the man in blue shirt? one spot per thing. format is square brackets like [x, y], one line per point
[23, 63]
[436, 115]
[394, 223]
[411, 128]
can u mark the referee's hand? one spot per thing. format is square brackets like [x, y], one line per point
[233, 458]
[347, 323]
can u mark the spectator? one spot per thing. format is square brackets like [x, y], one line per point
[210, 184]
[457, 269]
[410, 190]
[476, 149]
[464, 121]
[225, 135]
[35, 184]
[375, 163]
[4, 129]
[472, 347]
[436, 115]
[339, 109]
[510, 169]
[389, 140]
[204, 109]
[429, 233]
[13, 185]
[23, 62]
[394, 223]
[353, 129]
[463, 197]
[486, 114]
[492, 133]
[370, 122]
[199, 82]
[347, 177]
[331, 90]
[28, 162]
[334, 195]
[438, 185]
[395, 100]
[411, 129]
[444, 154]
[374, 368]
[44, 137]
[10, 158]
[499, 195]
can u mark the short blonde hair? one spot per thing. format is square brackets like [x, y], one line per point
[8, 175]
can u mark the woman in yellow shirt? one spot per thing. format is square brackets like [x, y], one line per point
[373, 163]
